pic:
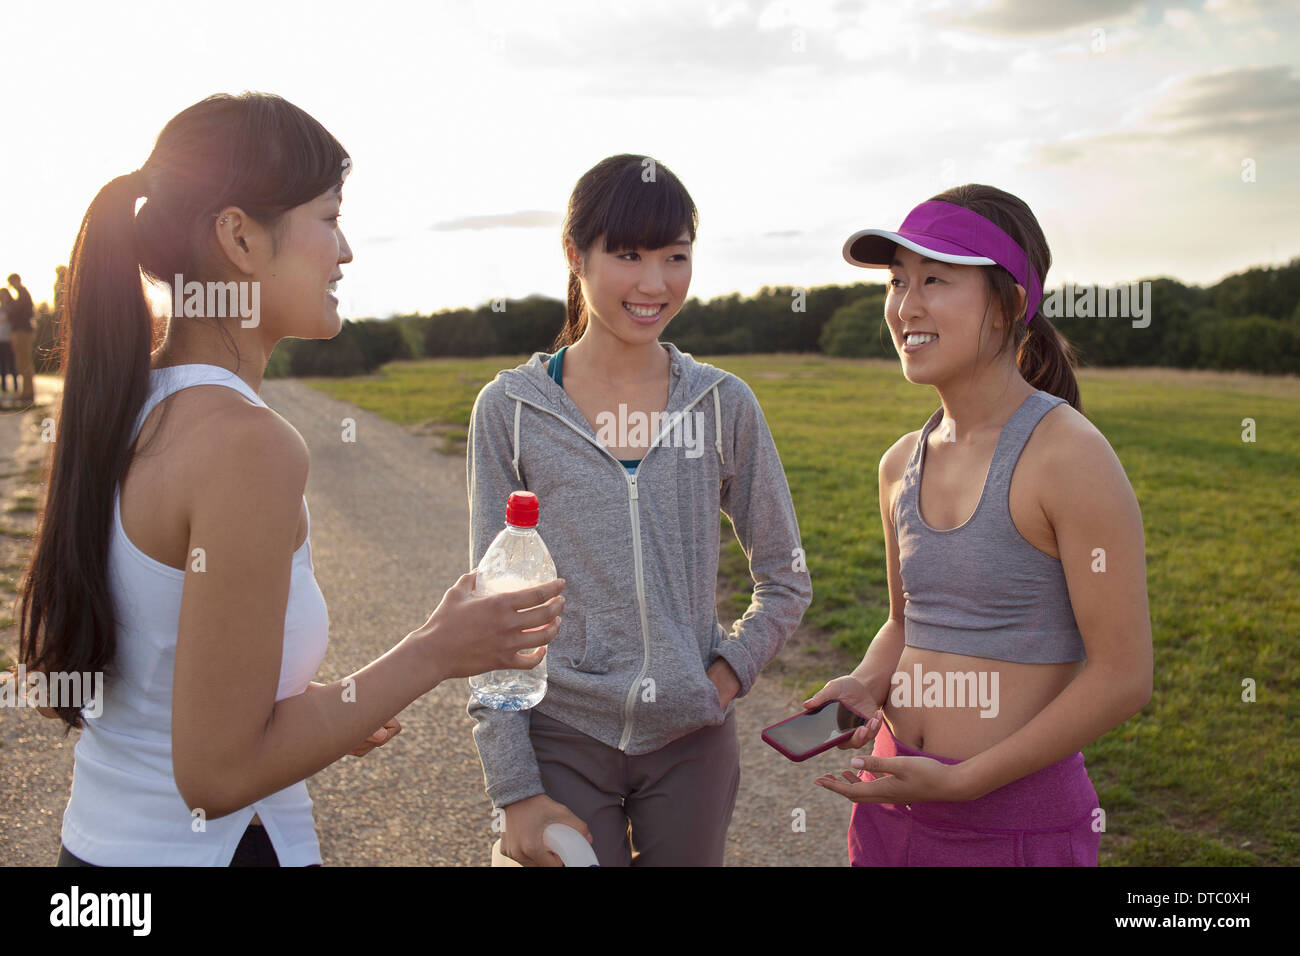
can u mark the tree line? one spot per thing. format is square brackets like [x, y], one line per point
[1249, 320]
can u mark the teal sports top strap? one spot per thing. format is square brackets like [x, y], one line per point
[555, 369]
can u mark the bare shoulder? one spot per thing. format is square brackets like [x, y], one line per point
[1067, 433]
[1075, 459]
[893, 463]
[226, 436]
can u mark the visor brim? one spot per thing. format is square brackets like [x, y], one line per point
[874, 249]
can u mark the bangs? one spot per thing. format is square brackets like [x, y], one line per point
[636, 214]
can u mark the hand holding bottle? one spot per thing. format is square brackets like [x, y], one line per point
[526, 823]
[470, 633]
[517, 558]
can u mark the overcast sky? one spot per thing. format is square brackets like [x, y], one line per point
[1124, 125]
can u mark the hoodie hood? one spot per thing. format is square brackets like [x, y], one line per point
[690, 382]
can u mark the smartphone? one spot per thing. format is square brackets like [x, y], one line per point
[808, 734]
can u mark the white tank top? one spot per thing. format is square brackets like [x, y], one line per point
[124, 809]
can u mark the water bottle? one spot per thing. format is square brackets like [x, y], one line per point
[517, 559]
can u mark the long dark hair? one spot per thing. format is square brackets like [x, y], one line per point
[633, 201]
[1044, 357]
[255, 151]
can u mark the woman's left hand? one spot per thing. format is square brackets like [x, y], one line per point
[380, 737]
[908, 780]
[725, 680]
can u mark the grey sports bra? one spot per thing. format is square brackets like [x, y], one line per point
[981, 589]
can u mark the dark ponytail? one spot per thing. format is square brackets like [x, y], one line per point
[254, 151]
[1047, 360]
[1044, 357]
[634, 202]
[107, 332]
[575, 314]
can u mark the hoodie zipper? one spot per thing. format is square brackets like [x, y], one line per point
[634, 512]
[640, 600]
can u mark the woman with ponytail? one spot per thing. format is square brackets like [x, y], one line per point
[173, 558]
[633, 448]
[1014, 552]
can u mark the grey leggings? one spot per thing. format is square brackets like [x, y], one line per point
[674, 804]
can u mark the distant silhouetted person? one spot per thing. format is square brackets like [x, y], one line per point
[20, 320]
[7, 368]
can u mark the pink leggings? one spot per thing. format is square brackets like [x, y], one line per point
[1044, 819]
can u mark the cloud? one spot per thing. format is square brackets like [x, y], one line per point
[1257, 105]
[525, 219]
[783, 234]
[1261, 101]
[1239, 11]
[1026, 17]
[678, 49]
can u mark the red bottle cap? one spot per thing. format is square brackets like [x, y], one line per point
[521, 509]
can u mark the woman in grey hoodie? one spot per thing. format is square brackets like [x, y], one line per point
[632, 448]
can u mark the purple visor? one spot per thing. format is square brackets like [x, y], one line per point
[949, 233]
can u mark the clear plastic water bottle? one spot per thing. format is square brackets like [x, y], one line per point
[517, 559]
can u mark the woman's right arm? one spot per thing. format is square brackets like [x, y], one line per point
[505, 750]
[232, 742]
[511, 776]
[867, 686]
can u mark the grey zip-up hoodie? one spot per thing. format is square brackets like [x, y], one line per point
[640, 555]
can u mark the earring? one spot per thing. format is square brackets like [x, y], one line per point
[223, 220]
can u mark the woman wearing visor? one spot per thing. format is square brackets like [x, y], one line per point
[1019, 630]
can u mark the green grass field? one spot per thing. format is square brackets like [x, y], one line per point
[1200, 777]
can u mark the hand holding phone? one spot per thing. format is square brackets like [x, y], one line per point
[818, 729]
[852, 691]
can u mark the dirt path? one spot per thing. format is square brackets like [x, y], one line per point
[389, 535]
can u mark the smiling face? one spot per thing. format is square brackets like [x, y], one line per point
[299, 280]
[943, 306]
[633, 293]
